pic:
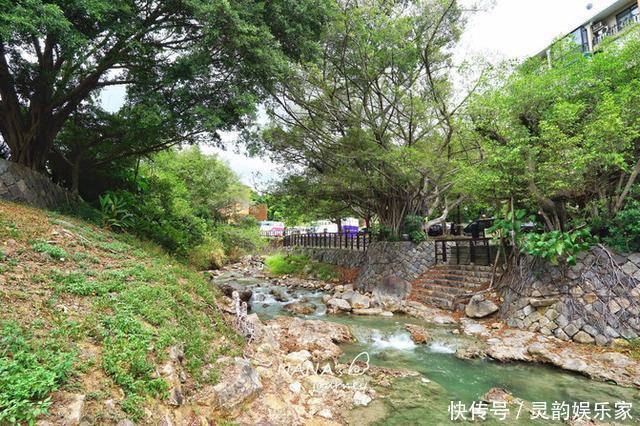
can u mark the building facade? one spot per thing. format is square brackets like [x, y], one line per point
[616, 21]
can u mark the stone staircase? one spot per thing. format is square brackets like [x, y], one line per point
[450, 286]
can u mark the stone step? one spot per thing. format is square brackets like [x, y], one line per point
[437, 302]
[440, 289]
[474, 268]
[450, 286]
[455, 284]
[457, 271]
[456, 277]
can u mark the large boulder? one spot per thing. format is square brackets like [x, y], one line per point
[279, 294]
[348, 295]
[228, 288]
[335, 305]
[479, 307]
[418, 334]
[241, 386]
[320, 338]
[300, 308]
[360, 301]
[390, 292]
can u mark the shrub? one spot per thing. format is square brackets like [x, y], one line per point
[239, 240]
[417, 236]
[556, 245]
[300, 265]
[383, 233]
[208, 255]
[413, 223]
[116, 211]
[624, 229]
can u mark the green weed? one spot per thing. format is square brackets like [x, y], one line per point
[8, 229]
[54, 251]
[30, 370]
[83, 284]
[634, 348]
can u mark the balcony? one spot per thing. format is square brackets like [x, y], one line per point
[615, 30]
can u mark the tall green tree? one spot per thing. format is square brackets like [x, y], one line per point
[197, 65]
[563, 140]
[372, 122]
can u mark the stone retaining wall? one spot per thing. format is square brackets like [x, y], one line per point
[335, 256]
[403, 259]
[18, 183]
[597, 300]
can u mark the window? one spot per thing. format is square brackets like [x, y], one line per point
[580, 38]
[627, 16]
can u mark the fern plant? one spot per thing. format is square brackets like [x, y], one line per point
[115, 212]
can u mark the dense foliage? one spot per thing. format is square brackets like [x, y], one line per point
[183, 202]
[562, 141]
[190, 69]
[370, 124]
[622, 232]
[301, 266]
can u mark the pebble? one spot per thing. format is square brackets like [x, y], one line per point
[326, 413]
[295, 387]
[361, 398]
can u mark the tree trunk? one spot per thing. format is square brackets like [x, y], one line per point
[31, 149]
[632, 179]
[75, 177]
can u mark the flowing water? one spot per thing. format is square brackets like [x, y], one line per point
[444, 379]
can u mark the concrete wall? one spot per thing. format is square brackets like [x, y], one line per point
[18, 183]
[597, 300]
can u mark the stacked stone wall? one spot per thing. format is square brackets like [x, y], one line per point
[19, 183]
[334, 256]
[595, 301]
[402, 259]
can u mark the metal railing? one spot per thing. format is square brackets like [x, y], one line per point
[611, 31]
[272, 234]
[341, 240]
[476, 251]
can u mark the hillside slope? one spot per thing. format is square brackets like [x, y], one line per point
[99, 324]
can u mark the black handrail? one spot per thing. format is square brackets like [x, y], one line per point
[343, 240]
[477, 247]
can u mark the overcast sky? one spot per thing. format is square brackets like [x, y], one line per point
[510, 29]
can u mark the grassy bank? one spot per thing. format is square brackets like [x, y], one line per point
[91, 312]
[300, 266]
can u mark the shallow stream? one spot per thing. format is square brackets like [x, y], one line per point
[444, 378]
